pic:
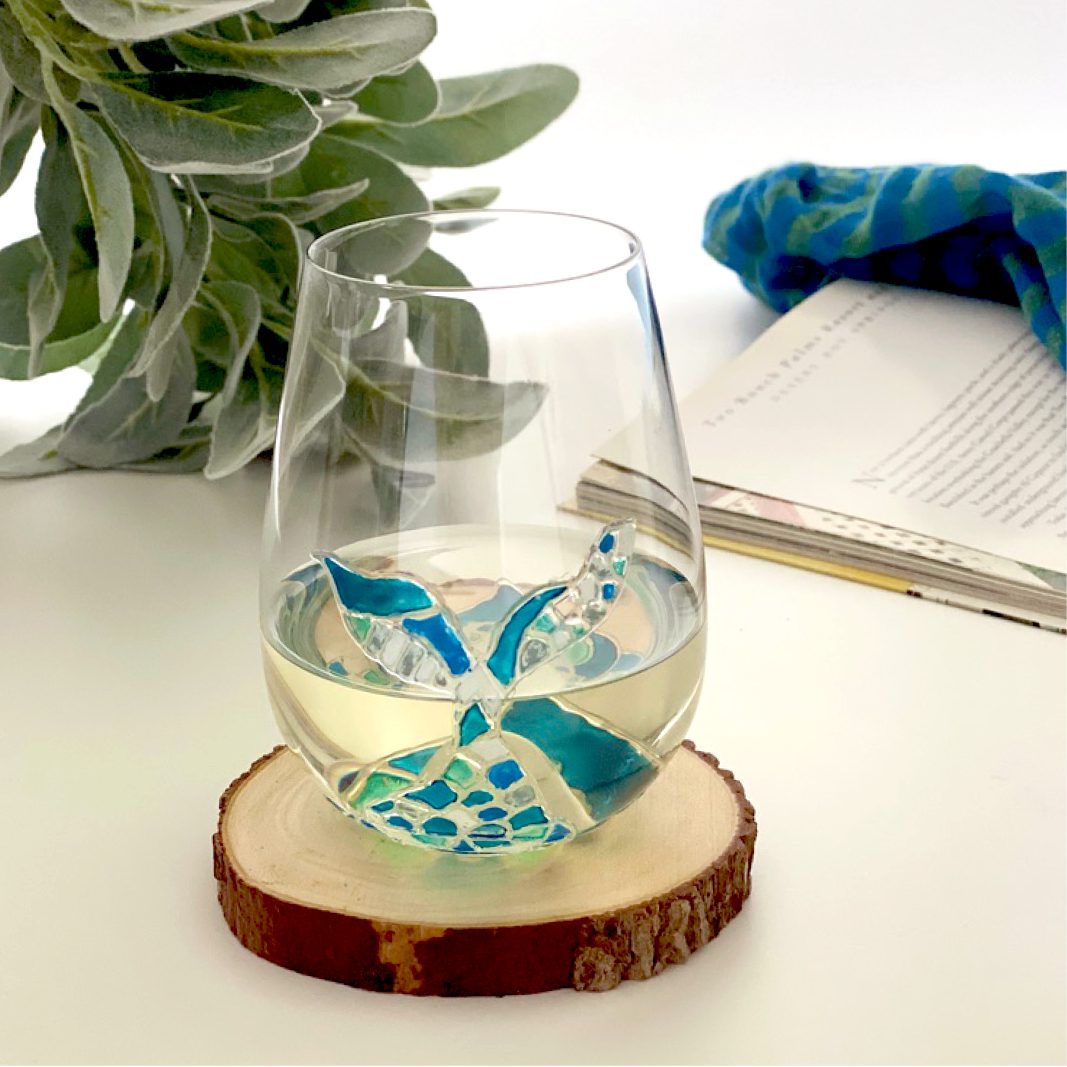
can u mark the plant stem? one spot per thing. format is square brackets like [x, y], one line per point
[130, 59]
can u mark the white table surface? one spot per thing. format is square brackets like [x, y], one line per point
[906, 761]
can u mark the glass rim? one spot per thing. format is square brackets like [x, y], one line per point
[335, 237]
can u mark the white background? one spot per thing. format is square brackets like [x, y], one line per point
[907, 761]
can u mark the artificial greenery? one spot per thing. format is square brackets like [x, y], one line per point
[192, 149]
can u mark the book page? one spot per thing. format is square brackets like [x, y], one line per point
[932, 413]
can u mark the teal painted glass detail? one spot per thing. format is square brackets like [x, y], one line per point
[375, 596]
[472, 725]
[504, 774]
[504, 657]
[438, 825]
[485, 797]
[528, 817]
[438, 632]
[601, 765]
[414, 761]
[437, 794]
[458, 773]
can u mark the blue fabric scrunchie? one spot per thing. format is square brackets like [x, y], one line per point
[961, 229]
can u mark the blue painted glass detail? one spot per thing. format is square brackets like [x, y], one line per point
[603, 766]
[437, 825]
[492, 814]
[437, 794]
[438, 632]
[607, 590]
[375, 596]
[385, 805]
[414, 761]
[476, 797]
[504, 774]
[463, 846]
[607, 542]
[502, 662]
[400, 821]
[338, 668]
[495, 843]
[557, 833]
[528, 817]
[489, 830]
[472, 725]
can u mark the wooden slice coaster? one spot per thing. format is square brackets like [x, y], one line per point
[307, 888]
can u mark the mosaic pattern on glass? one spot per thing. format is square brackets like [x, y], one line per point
[487, 788]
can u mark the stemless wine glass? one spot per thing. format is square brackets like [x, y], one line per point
[477, 642]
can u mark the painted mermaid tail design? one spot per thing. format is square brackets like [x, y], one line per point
[508, 777]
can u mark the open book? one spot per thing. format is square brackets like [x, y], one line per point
[908, 439]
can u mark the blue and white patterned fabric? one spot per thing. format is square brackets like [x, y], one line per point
[959, 229]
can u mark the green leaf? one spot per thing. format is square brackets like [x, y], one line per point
[480, 117]
[186, 456]
[447, 333]
[297, 209]
[223, 321]
[159, 350]
[77, 333]
[325, 55]
[189, 123]
[107, 189]
[60, 207]
[247, 419]
[56, 355]
[20, 263]
[282, 10]
[263, 252]
[272, 168]
[20, 59]
[335, 159]
[384, 343]
[138, 20]
[18, 124]
[168, 215]
[113, 361]
[125, 425]
[404, 99]
[282, 240]
[432, 271]
[477, 196]
[402, 493]
[111, 355]
[149, 266]
[397, 413]
[35, 457]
